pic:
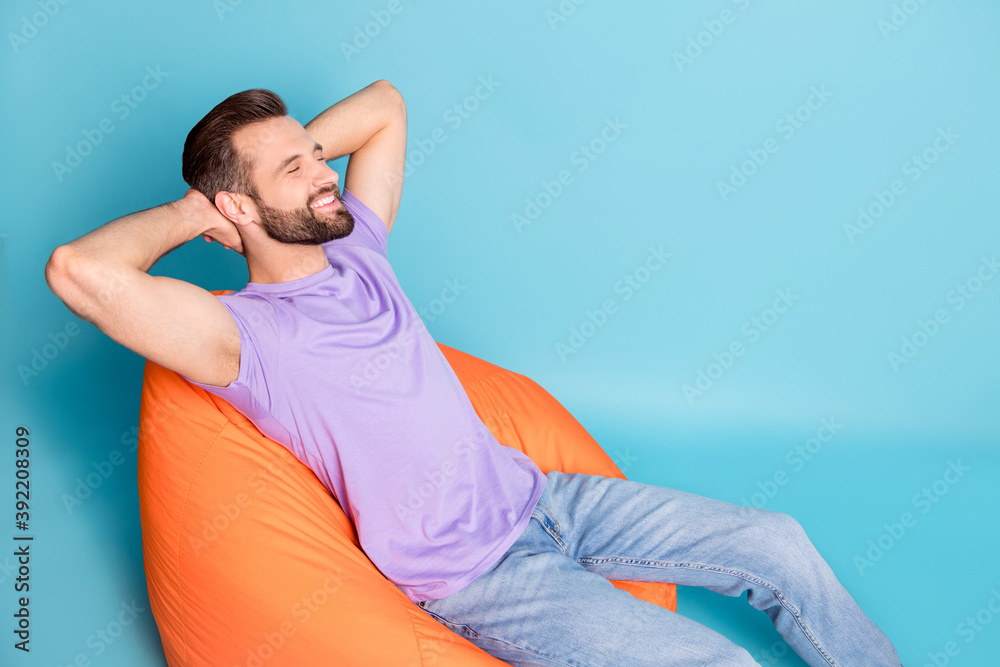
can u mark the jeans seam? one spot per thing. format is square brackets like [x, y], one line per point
[553, 534]
[451, 625]
[739, 573]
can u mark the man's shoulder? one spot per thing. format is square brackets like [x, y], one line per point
[254, 309]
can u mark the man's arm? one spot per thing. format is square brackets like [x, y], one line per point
[102, 277]
[370, 126]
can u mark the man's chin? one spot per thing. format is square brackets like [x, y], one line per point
[340, 219]
[306, 226]
[341, 231]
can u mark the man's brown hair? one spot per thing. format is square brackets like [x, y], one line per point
[210, 162]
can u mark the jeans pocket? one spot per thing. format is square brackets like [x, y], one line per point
[546, 518]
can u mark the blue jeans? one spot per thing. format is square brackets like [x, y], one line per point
[548, 600]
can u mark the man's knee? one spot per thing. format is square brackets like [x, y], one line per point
[787, 527]
[781, 531]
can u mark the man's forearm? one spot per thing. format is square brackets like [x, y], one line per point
[88, 273]
[350, 123]
[140, 239]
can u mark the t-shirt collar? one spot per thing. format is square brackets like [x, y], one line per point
[291, 285]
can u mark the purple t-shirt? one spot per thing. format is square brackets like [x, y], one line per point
[339, 368]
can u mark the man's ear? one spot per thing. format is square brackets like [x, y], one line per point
[238, 208]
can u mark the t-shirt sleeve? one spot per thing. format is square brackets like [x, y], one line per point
[256, 321]
[369, 229]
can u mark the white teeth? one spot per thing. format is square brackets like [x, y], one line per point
[323, 202]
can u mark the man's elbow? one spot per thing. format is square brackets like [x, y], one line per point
[57, 269]
[388, 87]
[62, 273]
[393, 94]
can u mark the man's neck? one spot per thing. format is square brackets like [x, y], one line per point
[283, 262]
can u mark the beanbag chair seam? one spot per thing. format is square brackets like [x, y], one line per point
[485, 378]
[416, 637]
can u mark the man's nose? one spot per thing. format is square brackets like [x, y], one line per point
[326, 175]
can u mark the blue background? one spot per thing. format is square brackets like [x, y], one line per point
[686, 125]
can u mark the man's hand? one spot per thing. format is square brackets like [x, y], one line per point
[219, 228]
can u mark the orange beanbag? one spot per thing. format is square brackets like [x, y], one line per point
[250, 561]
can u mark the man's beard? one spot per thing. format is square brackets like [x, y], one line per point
[303, 225]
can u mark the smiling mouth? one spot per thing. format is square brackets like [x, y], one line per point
[326, 202]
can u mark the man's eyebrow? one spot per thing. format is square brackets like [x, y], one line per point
[287, 161]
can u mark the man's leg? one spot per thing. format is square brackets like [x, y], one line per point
[625, 530]
[538, 607]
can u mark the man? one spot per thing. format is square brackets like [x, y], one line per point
[326, 355]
